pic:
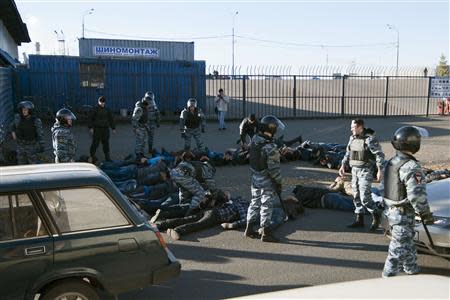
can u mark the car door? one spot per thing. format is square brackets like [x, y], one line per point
[26, 248]
[95, 234]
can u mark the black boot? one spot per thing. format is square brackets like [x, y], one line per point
[359, 221]
[249, 231]
[267, 236]
[375, 222]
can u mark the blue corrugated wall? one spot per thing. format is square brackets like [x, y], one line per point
[6, 96]
[53, 81]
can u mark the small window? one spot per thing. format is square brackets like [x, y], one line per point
[83, 209]
[92, 75]
[18, 218]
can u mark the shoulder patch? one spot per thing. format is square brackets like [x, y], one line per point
[419, 177]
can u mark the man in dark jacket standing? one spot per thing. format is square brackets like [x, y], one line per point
[100, 120]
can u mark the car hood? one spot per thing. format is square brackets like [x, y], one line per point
[438, 194]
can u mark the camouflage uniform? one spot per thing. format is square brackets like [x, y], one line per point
[363, 153]
[404, 195]
[64, 146]
[144, 120]
[266, 174]
[190, 189]
[204, 173]
[30, 139]
[190, 124]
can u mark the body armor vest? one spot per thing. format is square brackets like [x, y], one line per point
[359, 154]
[258, 160]
[192, 119]
[26, 129]
[198, 166]
[394, 189]
[144, 118]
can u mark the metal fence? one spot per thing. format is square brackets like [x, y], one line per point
[303, 96]
[287, 96]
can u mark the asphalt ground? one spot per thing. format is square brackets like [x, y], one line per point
[315, 249]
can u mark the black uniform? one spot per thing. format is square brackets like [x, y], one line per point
[101, 119]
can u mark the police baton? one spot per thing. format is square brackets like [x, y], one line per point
[427, 232]
[281, 202]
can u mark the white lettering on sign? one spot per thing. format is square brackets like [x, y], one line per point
[125, 51]
[440, 87]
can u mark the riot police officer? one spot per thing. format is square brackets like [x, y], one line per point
[404, 196]
[145, 117]
[363, 154]
[64, 146]
[192, 120]
[27, 131]
[266, 178]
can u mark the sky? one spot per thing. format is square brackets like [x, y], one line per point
[288, 33]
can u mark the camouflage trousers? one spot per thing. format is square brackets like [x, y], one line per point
[192, 133]
[64, 158]
[262, 206]
[190, 189]
[362, 179]
[402, 251]
[28, 152]
[144, 137]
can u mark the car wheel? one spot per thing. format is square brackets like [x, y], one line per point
[70, 290]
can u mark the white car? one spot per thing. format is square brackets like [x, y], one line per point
[401, 287]
[438, 241]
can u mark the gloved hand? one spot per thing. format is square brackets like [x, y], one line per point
[183, 135]
[427, 218]
[203, 129]
[278, 188]
[228, 226]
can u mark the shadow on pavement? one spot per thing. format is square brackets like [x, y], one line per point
[198, 284]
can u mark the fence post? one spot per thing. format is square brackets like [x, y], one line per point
[343, 96]
[294, 96]
[429, 95]
[386, 97]
[244, 106]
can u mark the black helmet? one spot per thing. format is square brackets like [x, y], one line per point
[25, 104]
[270, 124]
[407, 138]
[191, 102]
[64, 114]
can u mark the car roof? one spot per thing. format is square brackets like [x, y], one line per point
[405, 287]
[29, 177]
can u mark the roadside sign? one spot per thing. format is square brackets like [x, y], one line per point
[440, 87]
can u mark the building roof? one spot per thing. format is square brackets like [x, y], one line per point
[13, 22]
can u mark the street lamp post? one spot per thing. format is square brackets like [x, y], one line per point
[392, 27]
[87, 12]
[232, 46]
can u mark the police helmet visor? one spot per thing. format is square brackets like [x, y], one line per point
[192, 103]
[424, 133]
[25, 104]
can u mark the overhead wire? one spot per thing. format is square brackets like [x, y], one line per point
[159, 38]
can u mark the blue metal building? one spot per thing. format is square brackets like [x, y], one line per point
[52, 82]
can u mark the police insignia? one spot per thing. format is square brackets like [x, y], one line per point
[419, 177]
